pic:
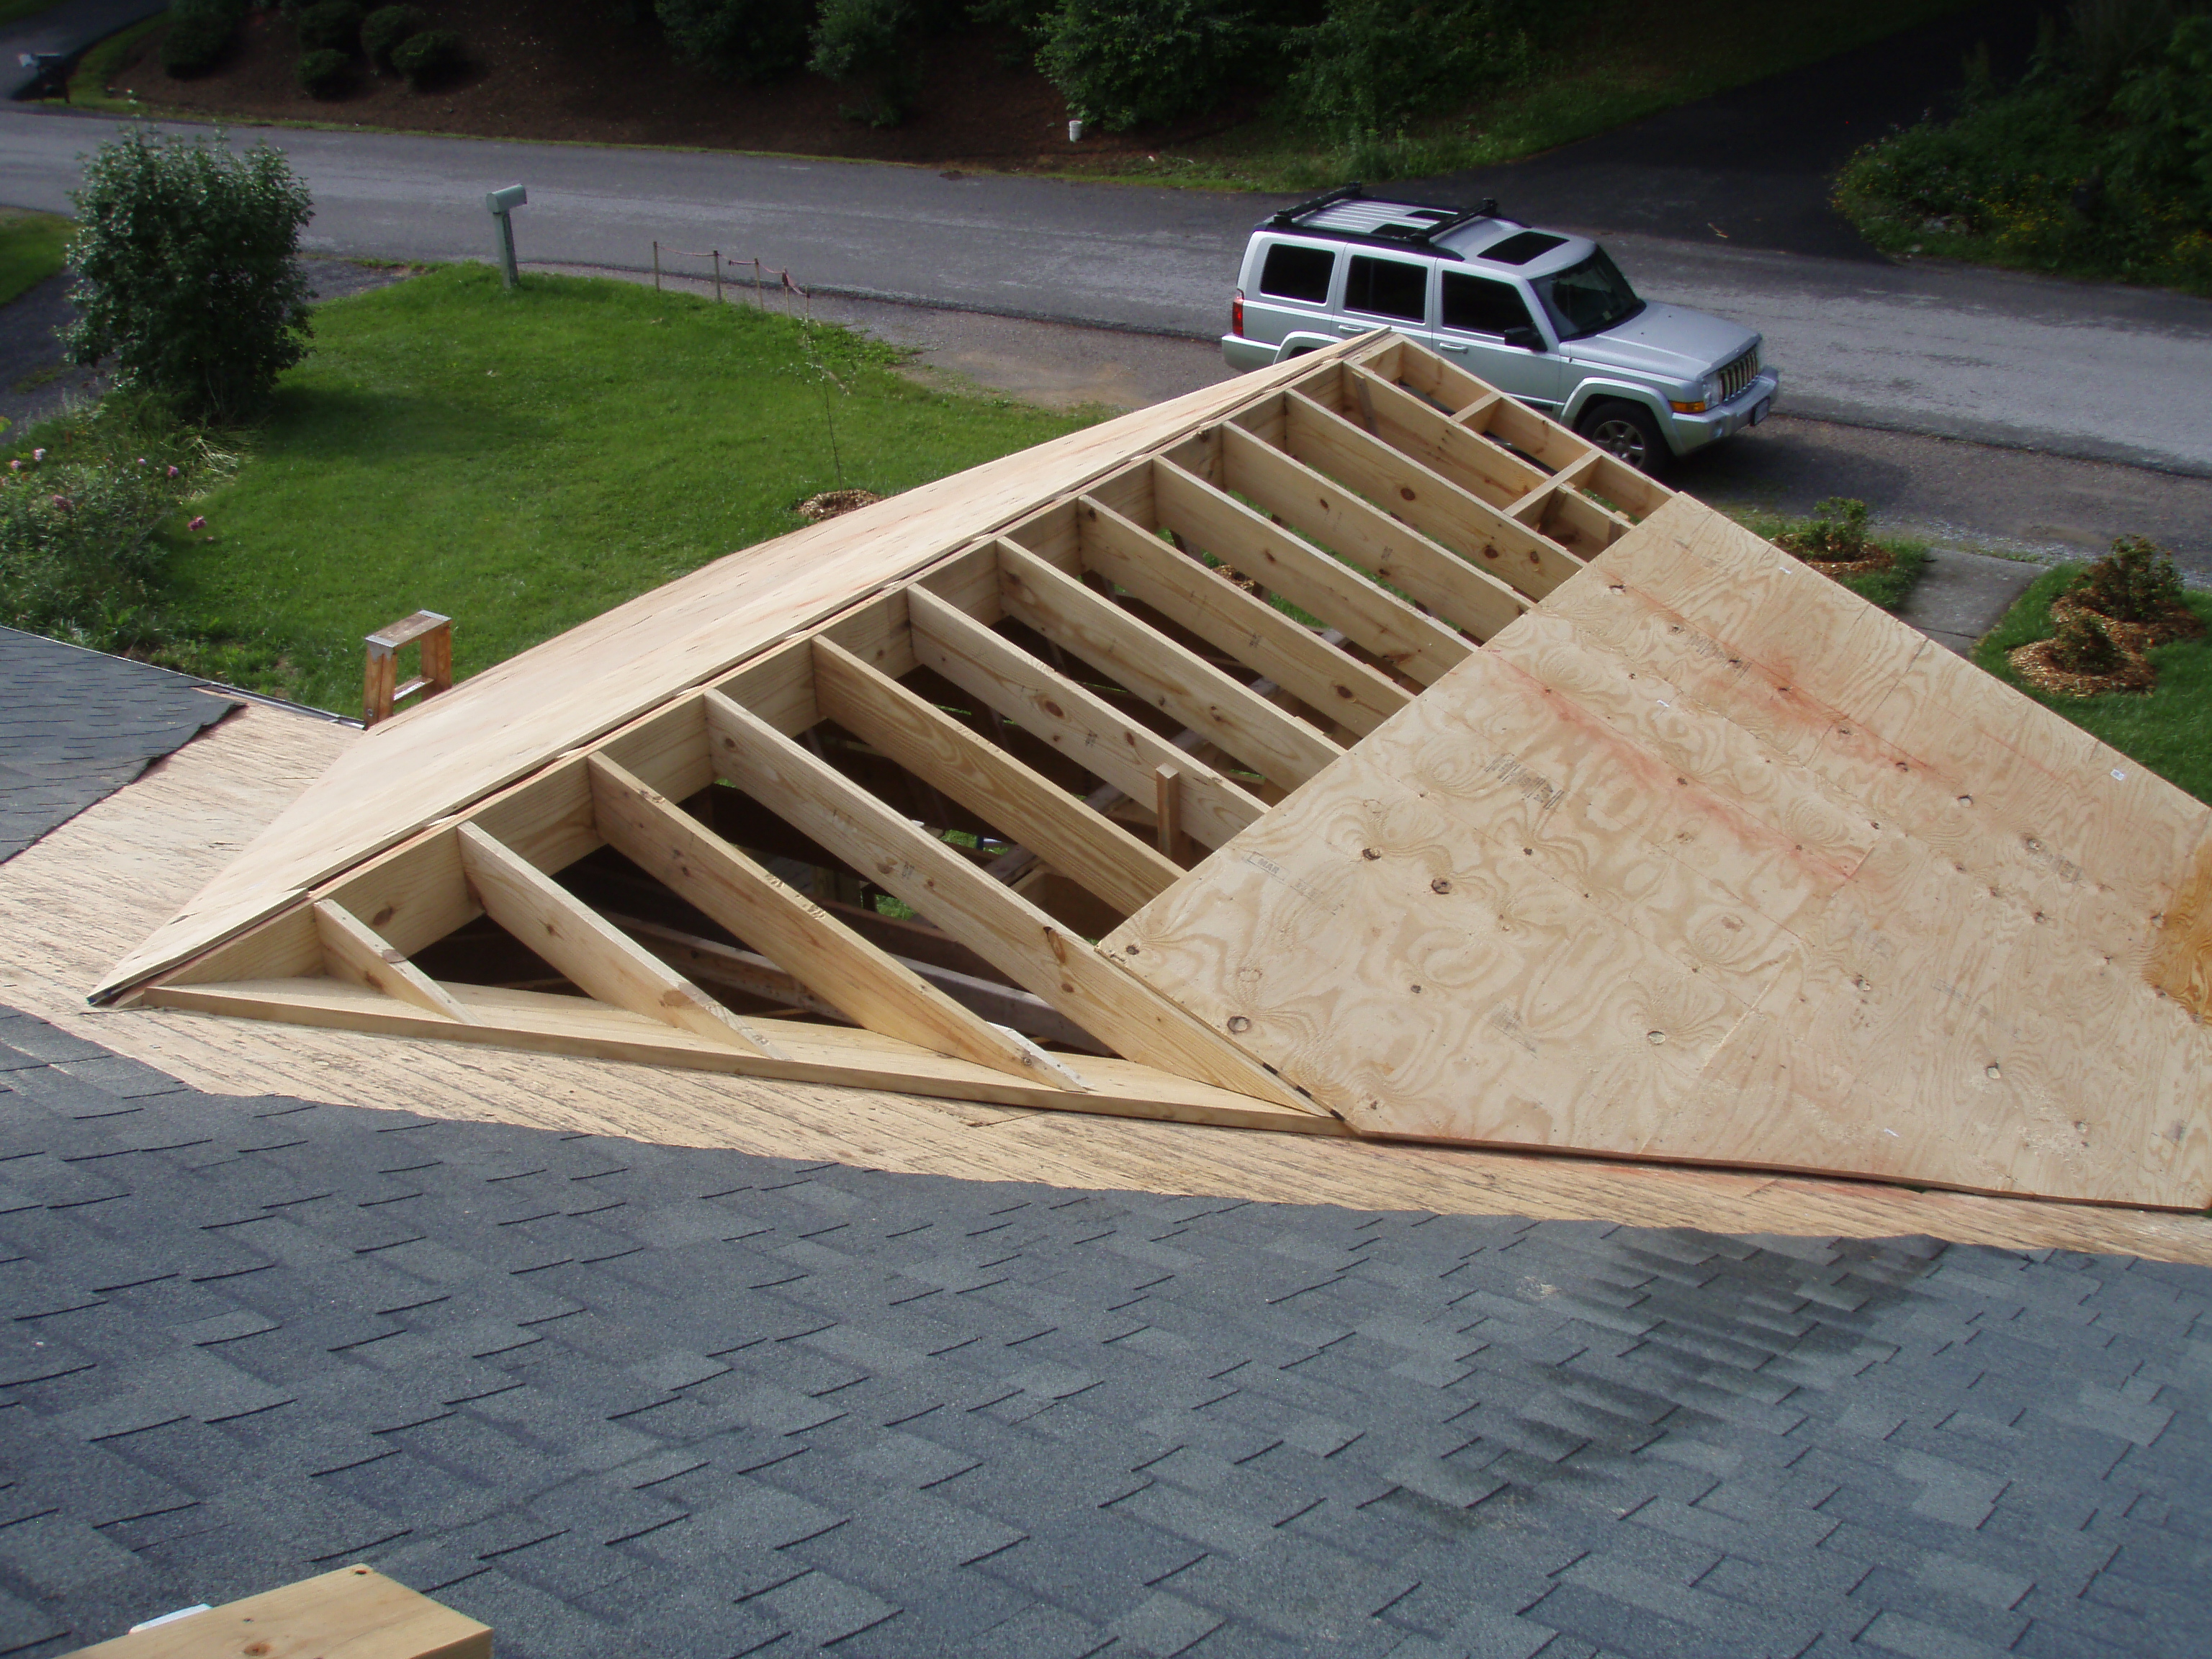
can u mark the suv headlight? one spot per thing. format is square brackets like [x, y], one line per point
[1711, 390]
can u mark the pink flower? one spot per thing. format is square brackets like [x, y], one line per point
[37, 454]
[142, 461]
[172, 472]
[197, 524]
[15, 466]
[60, 503]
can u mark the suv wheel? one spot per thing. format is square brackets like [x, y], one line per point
[1627, 431]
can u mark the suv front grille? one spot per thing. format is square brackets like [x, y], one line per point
[1739, 375]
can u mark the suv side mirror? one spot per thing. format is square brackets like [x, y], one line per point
[1524, 337]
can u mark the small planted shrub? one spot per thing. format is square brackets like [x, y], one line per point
[187, 256]
[2135, 582]
[77, 554]
[330, 26]
[429, 57]
[200, 31]
[323, 74]
[383, 29]
[2082, 644]
[1837, 531]
[870, 43]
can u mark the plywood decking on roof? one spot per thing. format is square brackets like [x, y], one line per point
[79, 897]
[1705, 859]
[1693, 855]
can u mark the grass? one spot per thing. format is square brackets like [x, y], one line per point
[31, 246]
[1887, 588]
[87, 86]
[524, 461]
[1623, 64]
[2169, 730]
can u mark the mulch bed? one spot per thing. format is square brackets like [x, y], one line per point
[573, 71]
[831, 503]
[2034, 662]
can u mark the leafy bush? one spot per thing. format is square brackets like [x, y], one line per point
[872, 42]
[323, 74]
[1123, 62]
[200, 31]
[2082, 646]
[429, 57]
[1836, 531]
[330, 26]
[383, 29]
[188, 261]
[2098, 162]
[77, 554]
[737, 39]
[2135, 582]
[1370, 66]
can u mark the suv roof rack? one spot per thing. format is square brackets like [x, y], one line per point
[1422, 224]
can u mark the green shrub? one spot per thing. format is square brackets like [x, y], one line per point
[323, 74]
[1123, 62]
[1836, 531]
[2135, 582]
[2098, 163]
[330, 26]
[737, 39]
[200, 31]
[2082, 646]
[188, 260]
[429, 57]
[872, 42]
[1370, 66]
[78, 559]
[383, 29]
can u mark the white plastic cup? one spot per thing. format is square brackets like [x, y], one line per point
[1075, 132]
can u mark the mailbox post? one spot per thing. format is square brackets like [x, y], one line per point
[501, 204]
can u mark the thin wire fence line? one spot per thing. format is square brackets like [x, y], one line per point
[765, 277]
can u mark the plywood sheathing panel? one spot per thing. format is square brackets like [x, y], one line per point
[71, 903]
[455, 749]
[1706, 859]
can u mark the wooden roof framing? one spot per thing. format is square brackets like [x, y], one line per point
[1345, 749]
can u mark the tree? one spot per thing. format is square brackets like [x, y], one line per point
[737, 39]
[1123, 62]
[188, 255]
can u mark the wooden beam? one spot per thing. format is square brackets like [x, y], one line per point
[355, 1613]
[1425, 499]
[1082, 724]
[1087, 847]
[1271, 740]
[1211, 605]
[861, 980]
[1421, 429]
[599, 958]
[712, 963]
[353, 951]
[1335, 514]
[1000, 925]
[1167, 810]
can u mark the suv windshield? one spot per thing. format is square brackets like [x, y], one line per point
[1588, 298]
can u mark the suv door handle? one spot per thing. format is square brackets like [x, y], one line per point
[1449, 346]
[1352, 328]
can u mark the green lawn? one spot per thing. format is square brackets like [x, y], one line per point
[1621, 63]
[31, 246]
[2169, 730]
[523, 462]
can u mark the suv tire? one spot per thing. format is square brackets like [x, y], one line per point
[1627, 431]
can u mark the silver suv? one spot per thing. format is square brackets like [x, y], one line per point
[1539, 314]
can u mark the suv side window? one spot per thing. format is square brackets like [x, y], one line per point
[1388, 287]
[1297, 273]
[1477, 305]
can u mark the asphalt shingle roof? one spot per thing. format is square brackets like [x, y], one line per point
[76, 726]
[613, 1397]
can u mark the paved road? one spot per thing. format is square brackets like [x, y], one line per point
[2082, 370]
